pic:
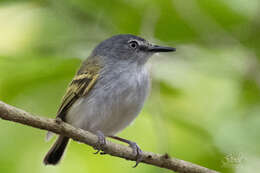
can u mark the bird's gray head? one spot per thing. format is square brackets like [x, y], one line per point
[129, 48]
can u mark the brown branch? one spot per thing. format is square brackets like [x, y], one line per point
[8, 112]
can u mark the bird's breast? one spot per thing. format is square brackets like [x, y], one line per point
[113, 103]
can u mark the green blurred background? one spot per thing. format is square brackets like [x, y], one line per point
[205, 101]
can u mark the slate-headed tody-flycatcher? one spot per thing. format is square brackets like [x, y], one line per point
[108, 91]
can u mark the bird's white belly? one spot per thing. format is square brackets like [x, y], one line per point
[112, 107]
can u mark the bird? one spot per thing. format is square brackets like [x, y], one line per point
[107, 92]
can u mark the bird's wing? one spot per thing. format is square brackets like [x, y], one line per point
[80, 85]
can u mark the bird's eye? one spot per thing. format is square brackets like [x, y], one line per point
[133, 44]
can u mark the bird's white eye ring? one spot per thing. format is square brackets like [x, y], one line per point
[133, 44]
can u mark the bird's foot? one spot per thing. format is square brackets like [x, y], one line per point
[136, 149]
[137, 152]
[100, 143]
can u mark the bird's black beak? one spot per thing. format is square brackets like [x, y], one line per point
[156, 48]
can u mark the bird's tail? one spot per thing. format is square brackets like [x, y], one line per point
[55, 153]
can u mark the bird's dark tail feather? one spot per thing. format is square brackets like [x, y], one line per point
[55, 153]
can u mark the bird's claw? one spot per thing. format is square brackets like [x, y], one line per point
[100, 143]
[137, 152]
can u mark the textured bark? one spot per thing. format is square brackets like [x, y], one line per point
[8, 112]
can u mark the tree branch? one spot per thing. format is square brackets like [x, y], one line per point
[8, 112]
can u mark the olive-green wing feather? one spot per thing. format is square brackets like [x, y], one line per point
[80, 85]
